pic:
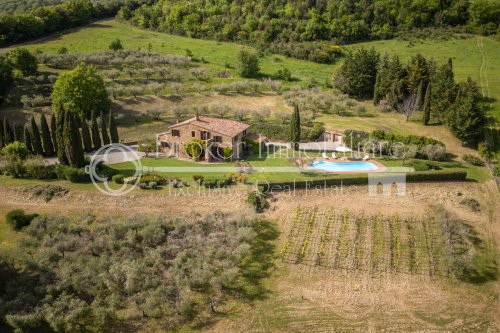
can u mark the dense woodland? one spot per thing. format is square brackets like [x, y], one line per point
[262, 22]
[25, 5]
[41, 21]
[288, 27]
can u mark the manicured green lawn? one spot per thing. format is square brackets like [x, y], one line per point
[182, 169]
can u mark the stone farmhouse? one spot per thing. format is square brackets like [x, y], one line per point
[218, 133]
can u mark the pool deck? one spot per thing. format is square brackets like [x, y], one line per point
[380, 166]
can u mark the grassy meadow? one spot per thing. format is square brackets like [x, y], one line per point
[98, 36]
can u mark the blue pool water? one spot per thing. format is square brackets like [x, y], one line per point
[344, 166]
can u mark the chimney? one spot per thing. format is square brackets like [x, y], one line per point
[177, 121]
[196, 117]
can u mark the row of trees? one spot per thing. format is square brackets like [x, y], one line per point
[67, 136]
[114, 58]
[74, 136]
[419, 85]
[260, 23]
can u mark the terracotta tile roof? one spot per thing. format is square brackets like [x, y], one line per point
[223, 126]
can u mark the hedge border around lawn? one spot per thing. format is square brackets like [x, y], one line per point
[413, 177]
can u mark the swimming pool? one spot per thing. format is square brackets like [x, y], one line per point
[343, 166]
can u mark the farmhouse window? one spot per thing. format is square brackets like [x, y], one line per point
[176, 133]
[193, 134]
[205, 135]
[217, 138]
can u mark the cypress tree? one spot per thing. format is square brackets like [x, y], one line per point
[48, 147]
[61, 148]
[2, 142]
[37, 140]
[420, 96]
[87, 141]
[444, 91]
[467, 117]
[396, 95]
[73, 142]
[295, 128]
[104, 131]
[377, 96]
[17, 133]
[427, 105]
[96, 138]
[113, 131]
[27, 139]
[53, 130]
[417, 71]
[8, 135]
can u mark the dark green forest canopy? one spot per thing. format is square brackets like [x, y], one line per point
[303, 20]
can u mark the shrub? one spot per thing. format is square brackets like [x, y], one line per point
[105, 171]
[283, 74]
[256, 200]
[118, 178]
[472, 204]
[228, 153]
[211, 182]
[474, 160]
[218, 182]
[36, 168]
[252, 198]
[59, 170]
[198, 179]
[358, 138]
[194, 148]
[16, 150]
[16, 169]
[18, 219]
[151, 177]
[76, 175]
[434, 152]
[484, 151]
[248, 64]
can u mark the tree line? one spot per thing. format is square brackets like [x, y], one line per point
[263, 22]
[41, 21]
[420, 85]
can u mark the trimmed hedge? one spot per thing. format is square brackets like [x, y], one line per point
[76, 175]
[151, 177]
[218, 182]
[281, 132]
[413, 177]
[118, 178]
[417, 140]
[474, 160]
